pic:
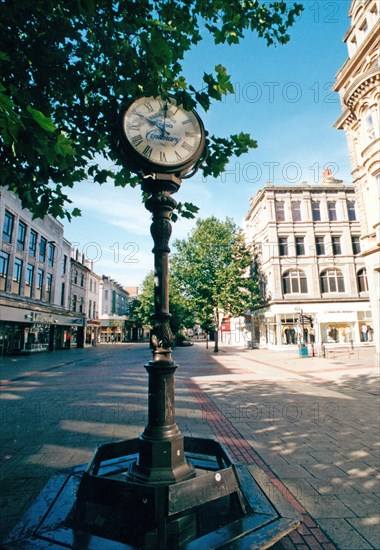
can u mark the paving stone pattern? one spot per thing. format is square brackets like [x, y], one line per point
[312, 424]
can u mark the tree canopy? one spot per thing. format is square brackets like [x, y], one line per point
[67, 66]
[213, 269]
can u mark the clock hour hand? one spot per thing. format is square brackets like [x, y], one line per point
[153, 123]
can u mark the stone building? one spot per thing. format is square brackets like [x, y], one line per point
[34, 281]
[308, 241]
[113, 310]
[358, 83]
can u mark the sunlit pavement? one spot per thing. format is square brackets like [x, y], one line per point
[311, 423]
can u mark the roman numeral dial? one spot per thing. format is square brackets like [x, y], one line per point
[160, 135]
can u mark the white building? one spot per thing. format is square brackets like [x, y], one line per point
[113, 308]
[308, 239]
[358, 83]
[34, 281]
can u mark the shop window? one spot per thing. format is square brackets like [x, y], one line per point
[336, 246]
[283, 246]
[49, 285]
[331, 208]
[280, 211]
[351, 211]
[294, 282]
[32, 243]
[51, 254]
[296, 211]
[332, 281]
[39, 284]
[43, 243]
[356, 248]
[362, 280]
[4, 264]
[316, 211]
[8, 226]
[17, 273]
[300, 246]
[320, 246]
[29, 277]
[21, 235]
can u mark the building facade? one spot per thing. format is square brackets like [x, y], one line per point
[34, 281]
[307, 238]
[113, 307]
[358, 84]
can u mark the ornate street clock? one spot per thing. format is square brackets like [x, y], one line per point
[160, 136]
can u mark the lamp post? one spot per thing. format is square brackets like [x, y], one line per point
[161, 458]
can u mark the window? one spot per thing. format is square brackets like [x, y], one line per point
[39, 284]
[75, 277]
[320, 246]
[89, 309]
[369, 125]
[49, 285]
[106, 294]
[362, 280]
[296, 211]
[29, 280]
[280, 211]
[351, 211]
[8, 226]
[90, 285]
[21, 235]
[17, 272]
[355, 244]
[62, 294]
[316, 211]
[74, 304]
[4, 263]
[332, 281]
[94, 311]
[283, 246]
[43, 243]
[32, 243]
[300, 246]
[81, 304]
[294, 281]
[64, 264]
[50, 254]
[331, 207]
[82, 279]
[337, 249]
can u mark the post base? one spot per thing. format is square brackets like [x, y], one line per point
[223, 506]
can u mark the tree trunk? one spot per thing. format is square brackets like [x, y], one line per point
[216, 346]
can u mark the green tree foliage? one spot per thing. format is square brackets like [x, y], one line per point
[212, 269]
[67, 66]
[179, 307]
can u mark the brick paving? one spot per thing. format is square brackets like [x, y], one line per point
[312, 424]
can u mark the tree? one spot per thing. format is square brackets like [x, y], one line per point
[211, 268]
[179, 307]
[67, 66]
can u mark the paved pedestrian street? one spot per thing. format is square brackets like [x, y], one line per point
[310, 423]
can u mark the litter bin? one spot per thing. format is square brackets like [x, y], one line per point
[302, 350]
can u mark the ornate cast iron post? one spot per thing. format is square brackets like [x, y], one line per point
[161, 458]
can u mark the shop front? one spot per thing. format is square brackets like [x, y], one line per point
[27, 331]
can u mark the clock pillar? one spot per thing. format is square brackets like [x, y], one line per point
[161, 457]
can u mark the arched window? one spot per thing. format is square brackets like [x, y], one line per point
[332, 281]
[362, 280]
[294, 281]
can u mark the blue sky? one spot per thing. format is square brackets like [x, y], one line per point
[283, 99]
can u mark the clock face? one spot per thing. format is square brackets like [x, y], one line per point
[162, 133]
